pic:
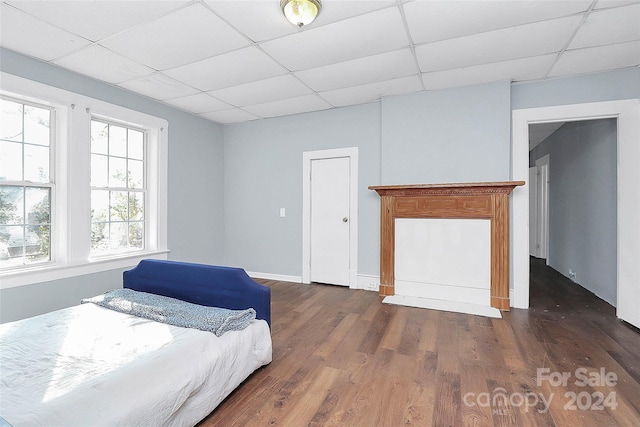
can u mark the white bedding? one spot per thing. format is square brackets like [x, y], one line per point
[87, 365]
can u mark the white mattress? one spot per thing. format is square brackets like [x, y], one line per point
[87, 365]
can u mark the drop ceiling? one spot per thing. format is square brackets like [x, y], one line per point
[240, 60]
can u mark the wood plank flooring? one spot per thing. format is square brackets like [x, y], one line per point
[342, 358]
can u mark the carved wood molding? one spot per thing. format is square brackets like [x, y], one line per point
[479, 200]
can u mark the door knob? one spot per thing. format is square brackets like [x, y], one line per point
[345, 219]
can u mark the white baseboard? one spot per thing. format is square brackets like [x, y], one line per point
[437, 291]
[453, 306]
[270, 276]
[364, 281]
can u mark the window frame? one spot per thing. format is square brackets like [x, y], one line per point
[143, 190]
[50, 184]
[71, 227]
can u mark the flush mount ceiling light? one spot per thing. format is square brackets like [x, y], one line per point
[301, 12]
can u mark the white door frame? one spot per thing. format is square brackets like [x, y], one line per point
[307, 158]
[628, 269]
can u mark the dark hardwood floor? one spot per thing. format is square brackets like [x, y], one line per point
[342, 358]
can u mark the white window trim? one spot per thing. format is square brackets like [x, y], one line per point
[71, 229]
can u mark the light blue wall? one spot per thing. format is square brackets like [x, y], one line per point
[610, 86]
[432, 137]
[455, 135]
[31, 300]
[195, 193]
[263, 173]
[583, 203]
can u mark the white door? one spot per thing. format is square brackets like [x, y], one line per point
[539, 211]
[543, 210]
[330, 222]
[533, 211]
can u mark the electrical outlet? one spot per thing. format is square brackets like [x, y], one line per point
[368, 283]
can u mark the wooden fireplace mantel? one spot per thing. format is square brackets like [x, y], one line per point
[476, 200]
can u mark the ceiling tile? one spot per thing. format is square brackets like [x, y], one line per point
[302, 104]
[234, 115]
[95, 20]
[266, 21]
[513, 70]
[500, 45]
[364, 35]
[337, 10]
[594, 59]
[187, 35]
[609, 26]
[199, 103]
[371, 69]
[613, 3]
[229, 69]
[30, 36]
[430, 21]
[100, 63]
[262, 91]
[372, 91]
[232, 61]
[158, 86]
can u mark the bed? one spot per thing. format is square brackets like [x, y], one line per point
[90, 365]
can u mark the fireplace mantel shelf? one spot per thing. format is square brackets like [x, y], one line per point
[457, 188]
[481, 200]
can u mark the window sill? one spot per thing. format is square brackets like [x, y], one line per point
[49, 272]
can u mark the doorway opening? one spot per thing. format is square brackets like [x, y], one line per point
[573, 175]
[627, 113]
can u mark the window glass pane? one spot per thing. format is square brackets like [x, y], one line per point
[36, 125]
[36, 163]
[99, 205]
[118, 236]
[136, 206]
[10, 120]
[99, 137]
[11, 206]
[10, 161]
[117, 172]
[11, 242]
[41, 251]
[99, 238]
[136, 174]
[37, 205]
[119, 206]
[136, 235]
[136, 144]
[38, 229]
[117, 141]
[99, 171]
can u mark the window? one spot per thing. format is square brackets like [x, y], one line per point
[25, 183]
[117, 188]
[82, 184]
